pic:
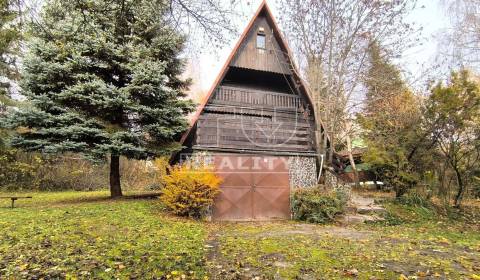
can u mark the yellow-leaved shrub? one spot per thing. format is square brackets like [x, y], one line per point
[190, 191]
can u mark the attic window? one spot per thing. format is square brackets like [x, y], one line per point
[261, 42]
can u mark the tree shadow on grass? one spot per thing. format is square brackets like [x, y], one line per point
[82, 200]
[76, 200]
[107, 198]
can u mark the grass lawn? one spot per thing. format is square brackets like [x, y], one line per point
[420, 246]
[85, 235]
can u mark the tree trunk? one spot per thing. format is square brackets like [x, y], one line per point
[115, 188]
[399, 192]
[461, 189]
[325, 143]
[352, 162]
[319, 144]
[331, 150]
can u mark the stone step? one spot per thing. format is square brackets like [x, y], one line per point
[351, 209]
[365, 209]
[352, 219]
[362, 209]
[372, 209]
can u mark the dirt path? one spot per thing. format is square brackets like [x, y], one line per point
[221, 266]
[289, 250]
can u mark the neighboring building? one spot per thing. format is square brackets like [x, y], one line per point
[344, 171]
[257, 127]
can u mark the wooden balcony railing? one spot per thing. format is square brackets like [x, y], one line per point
[255, 98]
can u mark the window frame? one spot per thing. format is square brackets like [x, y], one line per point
[264, 36]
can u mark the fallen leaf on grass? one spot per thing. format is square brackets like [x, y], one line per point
[423, 274]
[444, 241]
[475, 277]
[351, 272]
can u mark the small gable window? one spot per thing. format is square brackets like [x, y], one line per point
[261, 39]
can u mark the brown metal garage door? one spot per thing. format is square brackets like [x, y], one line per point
[254, 188]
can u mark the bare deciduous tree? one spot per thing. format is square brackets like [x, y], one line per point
[463, 39]
[205, 18]
[194, 18]
[331, 38]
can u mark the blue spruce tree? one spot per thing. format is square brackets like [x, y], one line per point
[103, 80]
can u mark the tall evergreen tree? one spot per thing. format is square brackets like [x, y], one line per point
[10, 36]
[383, 79]
[103, 78]
[390, 121]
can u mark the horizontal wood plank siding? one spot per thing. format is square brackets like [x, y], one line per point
[225, 132]
[270, 59]
[240, 96]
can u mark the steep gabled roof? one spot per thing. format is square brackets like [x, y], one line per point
[265, 10]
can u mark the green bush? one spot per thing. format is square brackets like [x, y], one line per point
[314, 205]
[414, 199]
[33, 171]
[389, 219]
[19, 170]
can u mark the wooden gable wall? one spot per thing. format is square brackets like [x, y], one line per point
[258, 103]
[272, 59]
[274, 118]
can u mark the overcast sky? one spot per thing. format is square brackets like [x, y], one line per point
[205, 66]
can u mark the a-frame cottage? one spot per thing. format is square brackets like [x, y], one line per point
[256, 126]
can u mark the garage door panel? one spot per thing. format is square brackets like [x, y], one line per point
[271, 179]
[270, 171]
[234, 170]
[235, 179]
[254, 187]
[271, 203]
[233, 204]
